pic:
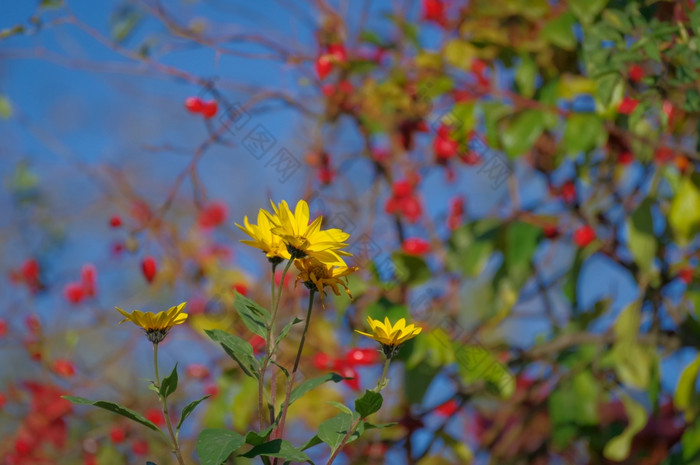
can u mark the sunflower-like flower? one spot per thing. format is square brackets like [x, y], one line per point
[304, 239]
[263, 238]
[391, 336]
[316, 275]
[158, 324]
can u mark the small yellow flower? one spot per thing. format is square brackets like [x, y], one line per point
[304, 239]
[158, 324]
[316, 275]
[263, 238]
[390, 337]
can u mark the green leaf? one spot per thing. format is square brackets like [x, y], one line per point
[642, 241]
[255, 438]
[333, 430]
[526, 76]
[312, 383]
[583, 132]
[521, 242]
[339, 406]
[188, 410]
[560, 31]
[618, 448]
[684, 214]
[609, 87]
[238, 349]
[587, 10]
[286, 329]
[279, 448]
[368, 404]
[115, 408]
[314, 441]
[410, 269]
[254, 316]
[214, 446]
[169, 384]
[522, 132]
[417, 380]
[475, 363]
[685, 398]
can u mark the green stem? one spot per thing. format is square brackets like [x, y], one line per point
[290, 381]
[356, 423]
[173, 438]
[382, 380]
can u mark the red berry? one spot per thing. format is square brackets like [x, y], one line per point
[193, 104]
[478, 66]
[627, 106]
[90, 459]
[3, 400]
[117, 435]
[324, 66]
[3, 327]
[156, 416]
[88, 279]
[681, 163]
[278, 278]
[447, 409]
[412, 209]
[149, 268]
[328, 90]
[23, 446]
[30, 270]
[686, 275]
[197, 371]
[63, 367]
[434, 10]
[258, 343]
[241, 288]
[625, 158]
[402, 189]
[323, 361]
[663, 155]
[636, 73]
[669, 111]
[326, 176]
[115, 221]
[550, 231]
[337, 52]
[345, 86]
[211, 390]
[584, 235]
[139, 447]
[348, 371]
[444, 146]
[392, 206]
[213, 215]
[209, 108]
[33, 324]
[362, 356]
[568, 192]
[74, 293]
[415, 246]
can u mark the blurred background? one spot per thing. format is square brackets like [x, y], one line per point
[518, 178]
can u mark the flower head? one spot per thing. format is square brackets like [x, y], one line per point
[158, 324]
[316, 275]
[263, 238]
[391, 336]
[304, 239]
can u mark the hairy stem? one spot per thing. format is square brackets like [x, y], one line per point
[164, 402]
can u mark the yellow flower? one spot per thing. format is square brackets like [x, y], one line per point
[158, 324]
[304, 239]
[316, 275]
[263, 238]
[390, 337]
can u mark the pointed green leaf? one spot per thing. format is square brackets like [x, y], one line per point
[618, 448]
[115, 408]
[214, 446]
[238, 349]
[368, 404]
[169, 384]
[312, 383]
[684, 215]
[286, 329]
[333, 430]
[685, 398]
[279, 448]
[253, 315]
[521, 133]
[642, 241]
[188, 410]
